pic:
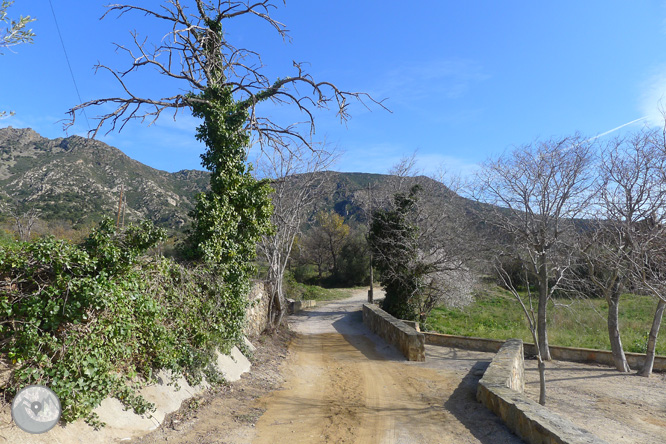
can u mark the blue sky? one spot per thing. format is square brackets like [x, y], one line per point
[464, 80]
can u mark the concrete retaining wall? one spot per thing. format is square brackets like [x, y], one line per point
[501, 390]
[395, 332]
[584, 355]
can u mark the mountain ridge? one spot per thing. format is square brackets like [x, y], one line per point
[79, 180]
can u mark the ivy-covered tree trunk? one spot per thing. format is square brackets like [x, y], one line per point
[231, 218]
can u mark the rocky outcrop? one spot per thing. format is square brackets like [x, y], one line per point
[79, 180]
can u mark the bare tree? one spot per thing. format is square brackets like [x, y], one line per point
[24, 221]
[296, 186]
[536, 191]
[631, 194]
[527, 305]
[196, 53]
[649, 247]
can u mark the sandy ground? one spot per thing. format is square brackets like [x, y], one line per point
[342, 384]
[620, 408]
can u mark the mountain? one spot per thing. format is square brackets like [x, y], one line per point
[79, 180]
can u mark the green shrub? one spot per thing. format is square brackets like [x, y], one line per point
[94, 320]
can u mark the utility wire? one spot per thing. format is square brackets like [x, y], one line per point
[71, 72]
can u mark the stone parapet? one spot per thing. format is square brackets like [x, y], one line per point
[256, 315]
[501, 391]
[394, 331]
[572, 354]
[296, 306]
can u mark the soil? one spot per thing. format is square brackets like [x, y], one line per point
[622, 408]
[330, 380]
[339, 383]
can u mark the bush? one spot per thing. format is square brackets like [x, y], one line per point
[93, 320]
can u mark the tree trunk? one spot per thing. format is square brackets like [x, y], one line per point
[277, 303]
[333, 257]
[541, 364]
[652, 340]
[619, 358]
[542, 381]
[541, 312]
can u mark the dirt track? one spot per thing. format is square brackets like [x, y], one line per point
[339, 383]
[345, 385]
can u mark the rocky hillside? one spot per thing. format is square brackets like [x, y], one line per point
[79, 180]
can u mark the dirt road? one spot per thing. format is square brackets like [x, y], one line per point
[339, 383]
[345, 385]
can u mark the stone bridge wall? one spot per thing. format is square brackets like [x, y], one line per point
[572, 354]
[394, 331]
[501, 390]
[257, 313]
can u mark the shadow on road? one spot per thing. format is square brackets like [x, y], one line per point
[481, 422]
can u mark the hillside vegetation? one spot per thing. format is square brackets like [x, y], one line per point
[78, 181]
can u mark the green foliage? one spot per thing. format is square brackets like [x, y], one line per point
[354, 268]
[88, 320]
[392, 239]
[231, 218]
[15, 32]
[299, 291]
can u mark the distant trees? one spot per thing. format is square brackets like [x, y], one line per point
[337, 250]
[420, 248]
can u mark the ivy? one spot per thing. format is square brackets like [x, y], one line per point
[101, 318]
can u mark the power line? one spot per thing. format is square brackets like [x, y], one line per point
[71, 72]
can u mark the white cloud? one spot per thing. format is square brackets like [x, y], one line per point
[653, 99]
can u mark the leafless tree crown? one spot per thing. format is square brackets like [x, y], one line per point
[196, 54]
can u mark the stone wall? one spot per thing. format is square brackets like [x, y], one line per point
[257, 312]
[395, 332]
[464, 342]
[501, 391]
[296, 306]
[572, 354]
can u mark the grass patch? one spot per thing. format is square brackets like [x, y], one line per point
[298, 291]
[571, 322]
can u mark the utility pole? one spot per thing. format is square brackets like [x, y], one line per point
[369, 216]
